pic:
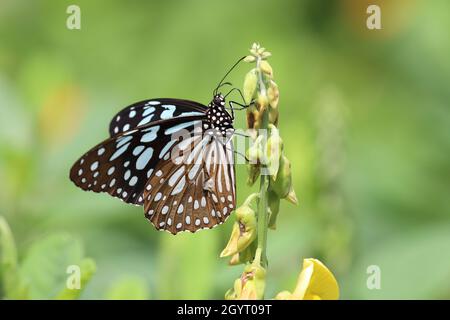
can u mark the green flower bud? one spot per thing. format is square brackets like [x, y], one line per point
[255, 114]
[273, 94]
[274, 207]
[251, 284]
[283, 181]
[231, 247]
[274, 147]
[266, 68]
[273, 116]
[292, 197]
[262, 102]
[233, 294]
[250, 59]
[244, 230]
[245, 256]
[247, 226]
[252, 118]
[265, 54]
[254, 154]
[250, 84]
[254, 49]
[253, 173]
[261, 50]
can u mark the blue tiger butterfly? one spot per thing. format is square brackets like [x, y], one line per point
[185, 182]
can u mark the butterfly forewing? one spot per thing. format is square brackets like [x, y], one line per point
[122, 164]
[144, 112]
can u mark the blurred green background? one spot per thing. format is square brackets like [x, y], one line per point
[364, 116]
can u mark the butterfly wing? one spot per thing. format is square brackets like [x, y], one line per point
[195, 190]
[144, 112]
[122, 164]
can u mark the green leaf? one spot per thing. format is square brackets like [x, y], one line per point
[9, 277]
[129, 288]
[45, 268]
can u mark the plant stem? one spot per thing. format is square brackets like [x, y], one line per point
[264, 183]
[262, 219]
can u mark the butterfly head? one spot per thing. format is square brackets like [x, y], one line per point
[218, 100]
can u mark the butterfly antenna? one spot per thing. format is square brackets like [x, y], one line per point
[226, 74]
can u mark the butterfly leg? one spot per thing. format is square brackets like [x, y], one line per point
[240, 154]
[242, 106]
[238, 90]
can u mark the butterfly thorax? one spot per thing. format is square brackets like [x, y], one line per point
[218, 121]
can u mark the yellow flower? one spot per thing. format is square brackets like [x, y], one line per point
[315, 282]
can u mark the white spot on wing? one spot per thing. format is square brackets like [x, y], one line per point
[174, 178]
[119, 152]
[168, 113]
[151, 134]
[193, 171]
[145, 120]
[122, 140]
[94, 166]
[144, 158]
[166, 148]
[148, 111]
[180, 186]
[133, 181]
[137, 150]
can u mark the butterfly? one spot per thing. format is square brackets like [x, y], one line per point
[174, 157]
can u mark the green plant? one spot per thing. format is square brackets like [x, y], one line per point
[267, 162]
[46, 270]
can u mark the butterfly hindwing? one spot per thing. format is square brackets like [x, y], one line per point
[144, 112]
[196, 189]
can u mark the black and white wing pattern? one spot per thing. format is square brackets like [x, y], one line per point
[174, 157]
[197, 192]
[122, 164]
[144, 112]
